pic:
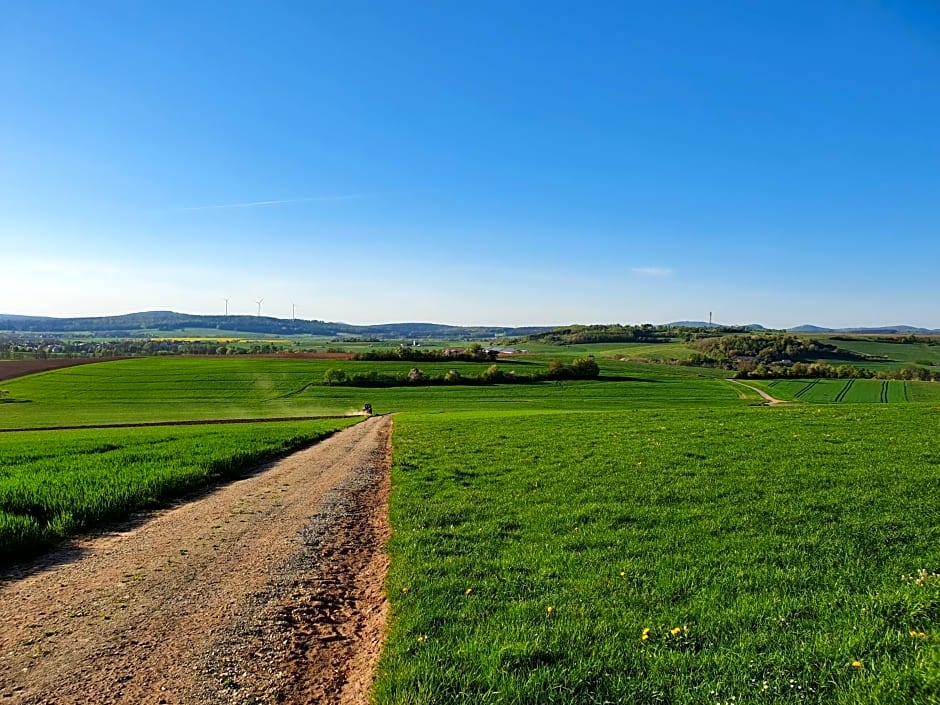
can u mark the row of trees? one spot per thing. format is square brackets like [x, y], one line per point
[472, 353]
[41, 348]
[579, 335]
[581, 368]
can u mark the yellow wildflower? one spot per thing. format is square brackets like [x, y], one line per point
[646, 634]
[404, 590]
[857, 664]
[549, 609]
[918, 635]
[469, 590]
[675, 631]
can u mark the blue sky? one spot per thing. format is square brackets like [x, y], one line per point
[492, 162]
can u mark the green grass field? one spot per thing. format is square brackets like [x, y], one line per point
[859, 391]
[55, 483]
[541, 530]
[172, 389]
[675, 556]
[889, 355]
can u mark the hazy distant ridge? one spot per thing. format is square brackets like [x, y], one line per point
[132, 323]
[881, 330]
[170, 321]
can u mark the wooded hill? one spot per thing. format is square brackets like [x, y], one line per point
[145, 323]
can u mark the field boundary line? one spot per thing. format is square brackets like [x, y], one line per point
[191, 422]
[772, 401]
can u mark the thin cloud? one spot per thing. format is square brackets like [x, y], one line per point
[653, 271]
[278, 202]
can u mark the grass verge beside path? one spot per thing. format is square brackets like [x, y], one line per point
[56, 483]
[748, 555]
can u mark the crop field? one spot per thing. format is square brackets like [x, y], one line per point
[893, 355]
[829, 391]
[744, 555]
[676, 350]
[646, 537]
[653, 351]
[55, 483]
[171, 389]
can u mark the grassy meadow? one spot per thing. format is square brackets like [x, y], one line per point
[656, 535]
[177, 388]
[891, 355]
[675, 556]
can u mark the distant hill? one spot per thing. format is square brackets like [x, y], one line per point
[143, 323]
[807, 328]
[149, 322]
[883, 330]
[705, 324]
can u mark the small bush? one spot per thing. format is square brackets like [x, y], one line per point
[335, 376]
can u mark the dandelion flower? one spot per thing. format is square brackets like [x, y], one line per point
[856, 664]
[404, 590]
[549, 609]
[918, 635]
[675, 631]
[646, 634]
[623, 573]
[469, 590]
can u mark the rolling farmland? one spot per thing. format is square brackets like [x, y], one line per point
[176, 389]
[887, 354]
[654, 535]
[851, 391]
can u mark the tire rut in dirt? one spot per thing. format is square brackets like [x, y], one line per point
[304, 636]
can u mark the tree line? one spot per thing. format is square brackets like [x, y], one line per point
[472, 353]
[580, 368]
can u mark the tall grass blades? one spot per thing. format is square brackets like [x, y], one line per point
[759, 555]
[55, 483]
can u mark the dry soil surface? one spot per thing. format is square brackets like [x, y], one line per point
[9, 369]
[267, 590]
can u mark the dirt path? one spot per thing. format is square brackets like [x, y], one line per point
[764, 395]
[268, 590]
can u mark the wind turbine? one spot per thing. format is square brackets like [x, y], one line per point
[293, 312]
[226, 307]
[259, 306]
